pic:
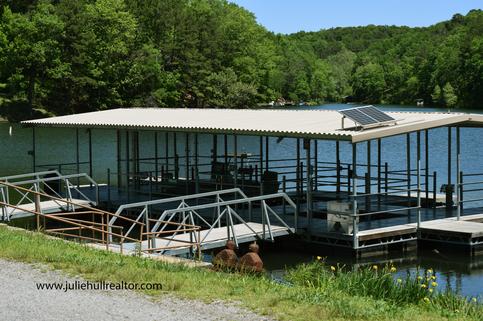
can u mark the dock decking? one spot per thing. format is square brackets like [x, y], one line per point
[215, 238]
[47, 207]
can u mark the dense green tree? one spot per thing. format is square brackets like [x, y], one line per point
[32, 59]
[368, 83]
[63, 56]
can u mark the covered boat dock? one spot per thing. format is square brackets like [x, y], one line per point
[361, 203]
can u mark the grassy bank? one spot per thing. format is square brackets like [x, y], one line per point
[316, 293]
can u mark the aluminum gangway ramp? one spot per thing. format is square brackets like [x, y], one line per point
[210, 224]
[16, 191]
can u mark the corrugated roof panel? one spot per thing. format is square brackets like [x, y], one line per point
[322, 124]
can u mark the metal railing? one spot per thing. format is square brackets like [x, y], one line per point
[50, 183]
[227, 210]
[84, 223]
[188, 217]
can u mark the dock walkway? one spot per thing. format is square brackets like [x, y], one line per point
[215, 238]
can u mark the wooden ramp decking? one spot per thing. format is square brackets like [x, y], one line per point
[215, 238]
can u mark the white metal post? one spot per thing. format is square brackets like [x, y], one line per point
[458, 178]
[355, 228]
[418, 169]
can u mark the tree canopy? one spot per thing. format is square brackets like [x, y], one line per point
[60, 57]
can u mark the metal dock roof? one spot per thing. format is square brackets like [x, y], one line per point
[317, 124]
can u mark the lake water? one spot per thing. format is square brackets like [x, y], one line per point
[58, 146]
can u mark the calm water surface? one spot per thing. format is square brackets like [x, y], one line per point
[58, 146]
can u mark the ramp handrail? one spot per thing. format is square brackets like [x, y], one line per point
[35, 183]
[102, 232]
[190, 212]
[181, 199]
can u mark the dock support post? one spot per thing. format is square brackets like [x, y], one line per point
[215, 148]
[127, 164]
[297, 176]
[458, 176]
[316, 165]
[34, 141]
[308, 191]
[225, 142]
[379, 164]
[408, 166]
[369, 177]
[449, 193]
[156, 157]
[426, 166]
[337, 164]
[176, 157]
[187, 162]
[89, 131]
[261, 165]
[166, 153]
[235, 160]
[197, 175]
[77, 155]
[355, 238]
[418, 169]
[118, 152]
[267, 157]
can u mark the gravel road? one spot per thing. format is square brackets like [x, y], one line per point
[20, 300]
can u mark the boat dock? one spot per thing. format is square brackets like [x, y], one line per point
[196, 169]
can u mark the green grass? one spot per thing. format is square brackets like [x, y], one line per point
[316, 292]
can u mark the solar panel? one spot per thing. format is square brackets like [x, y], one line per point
[358, 116]
[367, 116]
[376, 113]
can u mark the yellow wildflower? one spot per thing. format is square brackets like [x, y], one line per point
[430, 290]
[420, 277]
[332, 268]
[434, 284]
[474, 300]
[433, 277]
[426, 299]
[374, 267]
[430, 271]
[319, 258]
[399, 281]
[393, 269]
[424, 286]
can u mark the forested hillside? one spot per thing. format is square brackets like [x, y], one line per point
[64, 56]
